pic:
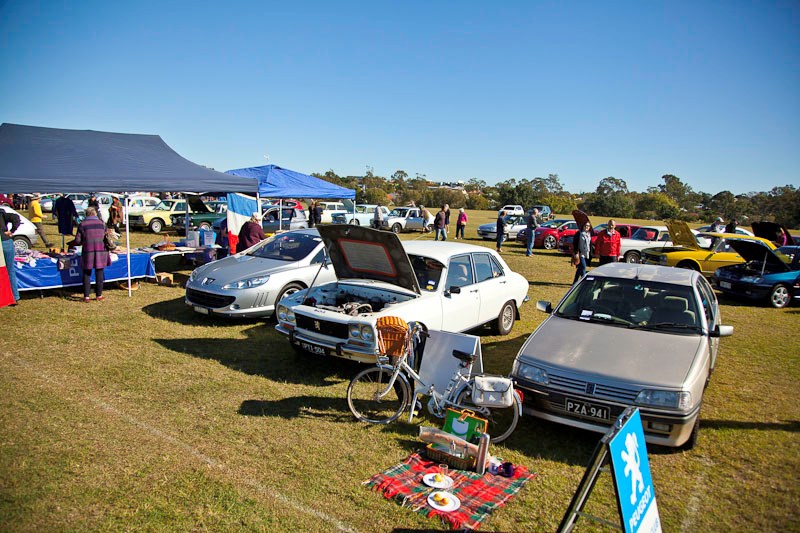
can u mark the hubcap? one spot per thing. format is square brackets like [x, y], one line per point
[780, 296]
[508, 317]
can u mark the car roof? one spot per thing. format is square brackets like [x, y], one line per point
[441, 251]
[656, 273]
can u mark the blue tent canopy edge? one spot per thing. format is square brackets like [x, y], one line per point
[277, 182]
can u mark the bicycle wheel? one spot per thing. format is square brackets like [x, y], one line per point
[501, 420]
[365, 403]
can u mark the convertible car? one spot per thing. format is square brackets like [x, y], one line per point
[772, 275]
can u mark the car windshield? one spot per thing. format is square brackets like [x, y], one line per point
[428, 272]
[287, 247]
[164, 205]
[633, 303]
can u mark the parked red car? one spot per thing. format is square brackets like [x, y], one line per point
[565, 243]
[547, 235]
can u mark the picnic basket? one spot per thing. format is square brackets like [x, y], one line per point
[470, 427]
[392, 335]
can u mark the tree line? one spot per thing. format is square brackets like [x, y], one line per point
[672, 198]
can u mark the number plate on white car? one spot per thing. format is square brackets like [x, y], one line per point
[591, 410]
[307, 346]
[724, 284]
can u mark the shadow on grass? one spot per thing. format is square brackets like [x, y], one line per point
[333, 409]
[792, 426]
[177, 311]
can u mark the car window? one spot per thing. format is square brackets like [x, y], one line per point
[570, 225]
[428, 272]
[483, 267]
[413, 213]
[459, 272]
[286, 247]
[664, 236]
[707, 300]
[320, 258]
[497, 269]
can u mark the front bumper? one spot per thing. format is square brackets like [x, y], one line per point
[327, 346]
[660, 427]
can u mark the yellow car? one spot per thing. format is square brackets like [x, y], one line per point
[704, 253]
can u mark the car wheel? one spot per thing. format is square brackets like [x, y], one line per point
[396, 227]
[633, 257]
[692, 442]
[355, 222]
[21, 245]
[690, 265]
[779, 297]
[204, 226]
[550, 242]
[156, 225]
[505, 320]
[288, 291]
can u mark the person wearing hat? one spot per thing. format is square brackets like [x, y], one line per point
[718, 226]
[35, 215]
[251, 233]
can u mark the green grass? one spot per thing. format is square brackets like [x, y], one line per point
[136, 413]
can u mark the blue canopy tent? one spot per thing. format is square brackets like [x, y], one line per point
[277, 182]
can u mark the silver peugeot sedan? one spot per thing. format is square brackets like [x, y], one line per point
[625, 335]
[250, 283]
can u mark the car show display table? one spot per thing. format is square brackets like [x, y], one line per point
[45, 274]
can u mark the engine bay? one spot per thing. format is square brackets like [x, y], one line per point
[352, 300]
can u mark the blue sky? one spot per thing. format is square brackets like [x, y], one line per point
[707, 91]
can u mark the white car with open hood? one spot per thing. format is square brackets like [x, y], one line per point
[446, 286]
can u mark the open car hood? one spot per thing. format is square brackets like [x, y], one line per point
[681, 235]
[358, 252]
[756, 251]
[197, 204]
[770, 230]
[581, 218]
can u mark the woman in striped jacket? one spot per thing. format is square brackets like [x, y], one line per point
[90, 236]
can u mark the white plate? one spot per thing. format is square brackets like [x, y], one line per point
[430, 480]
[452, 504]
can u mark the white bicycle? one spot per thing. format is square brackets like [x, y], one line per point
[380, 394]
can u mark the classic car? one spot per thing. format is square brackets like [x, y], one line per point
[644, 237]
[625, 335]
[250, 283]
[547, 235]
[406, 219]
[159, 218]
[686, 252]
[739, 230]
[514, 224]
[447, 286]
[25, 236]
[363, 216]
[217, 210]
[771, 275]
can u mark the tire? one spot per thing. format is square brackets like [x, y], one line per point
[355, 222]
[690, 265]
[633, 257]
[501, 421]
[204, 226]
[21, 244]
[288, 290]
[156, 225]
[778, 298]
[692, 442]
[505, 320]
[362, 401]
[550, 242]
[396, 227]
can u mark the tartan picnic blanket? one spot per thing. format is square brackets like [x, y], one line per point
[479, 494]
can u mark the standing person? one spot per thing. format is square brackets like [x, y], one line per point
[90, 237]
[439, 224]
[532, 223]
[446, 218]
[251, 233]
[311, 215]
[731, 227]
[317, 213]
[501, 229]
[608, 244]
[35, 215]
[582, 250]
[6, 234]
[115, 214]
[427, 218]
[718, 226]
[461, 223]
[377, 217]
[64, 210]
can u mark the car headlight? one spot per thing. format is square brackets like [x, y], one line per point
[248, 283]
[366, 333]
[355, 330]
[193, 275]
[285, 314]
[530, 372]
[662, 260]
[751, 279]
[665, 398]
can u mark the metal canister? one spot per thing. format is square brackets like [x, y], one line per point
[483, 453]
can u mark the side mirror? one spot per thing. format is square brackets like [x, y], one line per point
[454, 290]
[722, 331]
[544, 306]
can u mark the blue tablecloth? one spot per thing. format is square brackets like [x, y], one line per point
[46, 275]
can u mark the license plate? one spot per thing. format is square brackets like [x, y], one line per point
[724, 284]
[201, 310]
[313, 348]
[587, 409]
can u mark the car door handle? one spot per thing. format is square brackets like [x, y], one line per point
[476, 290]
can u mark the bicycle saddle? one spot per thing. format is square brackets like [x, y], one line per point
[464, 356]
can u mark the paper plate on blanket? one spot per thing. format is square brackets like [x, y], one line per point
[443, 501]
[444, 483]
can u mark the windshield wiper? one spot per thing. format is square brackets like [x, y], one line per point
[672, 325]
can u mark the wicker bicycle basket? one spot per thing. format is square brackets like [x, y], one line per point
[392, 335]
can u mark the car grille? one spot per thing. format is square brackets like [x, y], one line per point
[207, 299]
[582, 387]
[325, 327]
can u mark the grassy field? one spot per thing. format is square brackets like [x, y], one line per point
[138, 414]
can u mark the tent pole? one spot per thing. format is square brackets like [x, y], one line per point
[128, 239]
[280, 214]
